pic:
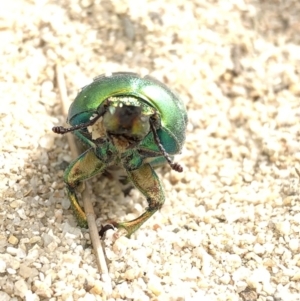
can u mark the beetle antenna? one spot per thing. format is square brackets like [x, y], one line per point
[62, 130]
[174, 165]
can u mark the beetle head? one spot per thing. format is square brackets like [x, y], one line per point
[126, 121]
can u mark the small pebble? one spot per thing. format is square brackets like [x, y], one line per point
[2, 266]
[13, 240]
[21, 288]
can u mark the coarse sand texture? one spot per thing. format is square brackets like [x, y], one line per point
[229, 229]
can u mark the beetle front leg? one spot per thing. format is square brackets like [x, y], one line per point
[85, 166]
[146, 181]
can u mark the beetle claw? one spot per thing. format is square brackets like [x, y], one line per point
[105, 228]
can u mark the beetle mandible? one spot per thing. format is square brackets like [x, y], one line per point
[134, 122]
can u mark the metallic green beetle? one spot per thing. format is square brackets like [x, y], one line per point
[125, 120]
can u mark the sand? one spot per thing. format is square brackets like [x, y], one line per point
[229, 229]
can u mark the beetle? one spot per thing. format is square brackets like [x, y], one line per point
[133, 122]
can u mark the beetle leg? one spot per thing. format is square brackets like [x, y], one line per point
[85, 166]
[146, 181]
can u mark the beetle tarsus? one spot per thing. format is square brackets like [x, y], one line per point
[104, 229]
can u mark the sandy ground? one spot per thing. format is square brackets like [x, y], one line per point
[229, 229]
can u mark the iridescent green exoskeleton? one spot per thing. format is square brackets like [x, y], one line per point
[133, 122]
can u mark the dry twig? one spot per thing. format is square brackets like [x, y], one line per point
[88, 208]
